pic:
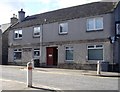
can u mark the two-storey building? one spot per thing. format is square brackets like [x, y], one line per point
[74, 37]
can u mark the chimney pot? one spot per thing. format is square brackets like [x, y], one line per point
[14, 19]
[14, 16]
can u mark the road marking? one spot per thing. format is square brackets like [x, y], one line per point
[34, 84]
[11, 80]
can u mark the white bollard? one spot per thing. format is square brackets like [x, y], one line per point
[29, 74]
[98, 68]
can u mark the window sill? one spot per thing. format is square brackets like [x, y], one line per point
[69, 61]
[17, 60]
[17, 38]
[63, 33]
[36, 36]
[36, 57]
[94, 61]
[99, 30]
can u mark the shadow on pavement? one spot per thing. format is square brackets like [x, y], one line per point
[110, 76]
[44, 89]
[104, 75]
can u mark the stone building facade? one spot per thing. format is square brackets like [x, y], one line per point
[74, 37]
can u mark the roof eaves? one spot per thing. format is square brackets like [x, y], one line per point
[6, 29]
[115, 5]
[11, 26]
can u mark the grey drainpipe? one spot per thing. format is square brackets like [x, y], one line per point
[41, 43]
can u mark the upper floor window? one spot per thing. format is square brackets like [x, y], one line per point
[36, 32]
[63, 28]
[95, 24]
[18, 34]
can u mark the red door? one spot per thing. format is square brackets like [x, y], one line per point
[51, 56]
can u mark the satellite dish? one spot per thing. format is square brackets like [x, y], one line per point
[112, 39]
[10, 44]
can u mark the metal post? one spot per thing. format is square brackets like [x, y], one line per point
[29, 74]
[98, 68]
[32, 60]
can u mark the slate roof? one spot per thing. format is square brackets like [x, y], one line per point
[86, 10]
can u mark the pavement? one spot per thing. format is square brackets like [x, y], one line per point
[15, 85]
[70, 71]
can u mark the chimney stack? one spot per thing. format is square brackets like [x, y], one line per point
[21, 15]
[14, 19]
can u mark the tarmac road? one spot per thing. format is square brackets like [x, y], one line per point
[61, 79]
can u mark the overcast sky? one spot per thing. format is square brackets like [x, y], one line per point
[31, 7]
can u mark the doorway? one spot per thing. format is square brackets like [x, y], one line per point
[52, 56]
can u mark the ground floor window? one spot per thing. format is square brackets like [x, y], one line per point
[95, 52]
[17, 54]
[69, 53]
[36, 53]
[36, 56]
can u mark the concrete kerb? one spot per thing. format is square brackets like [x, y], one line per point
[104, 74]
[68, 71]
[14, 66]
[81, 72]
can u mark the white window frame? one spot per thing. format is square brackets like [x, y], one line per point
[15, 51]
[94, 24]
[96, 47]
[34, 29]
[67, 49]
[61, 24]
[36, 49]
[18, 34]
